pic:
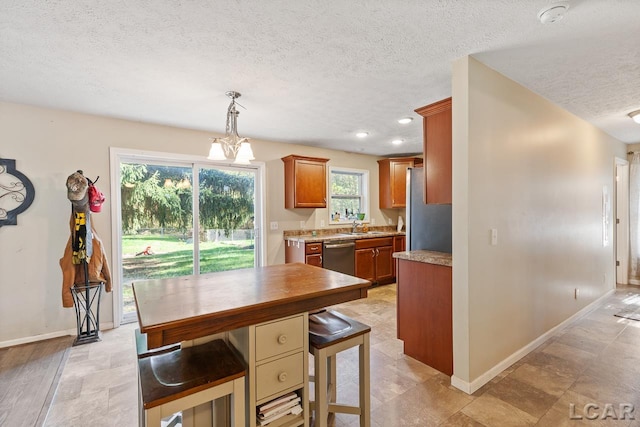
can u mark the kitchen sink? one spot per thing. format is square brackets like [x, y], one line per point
[361, 233]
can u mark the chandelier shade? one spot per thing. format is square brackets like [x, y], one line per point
[232, 146]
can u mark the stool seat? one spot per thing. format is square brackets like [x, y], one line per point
[186, 371]
[176, 380]
[331, 327]
[143, 350]
[331, 332]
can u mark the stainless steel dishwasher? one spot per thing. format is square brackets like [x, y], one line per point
[339, 255]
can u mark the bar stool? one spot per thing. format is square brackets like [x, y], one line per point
[331, 332]
[173, 380]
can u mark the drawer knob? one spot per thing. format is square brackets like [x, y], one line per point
[282, 377]
[282, 339]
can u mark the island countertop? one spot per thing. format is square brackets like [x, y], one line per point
[183, 308]
[427, 257]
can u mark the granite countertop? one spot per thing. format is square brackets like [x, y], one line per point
[427, 257]
[327, 235]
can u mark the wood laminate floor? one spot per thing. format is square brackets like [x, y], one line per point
[29, 375]
[594, 360]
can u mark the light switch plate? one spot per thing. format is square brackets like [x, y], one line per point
[274, 225]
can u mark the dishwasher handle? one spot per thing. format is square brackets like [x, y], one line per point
[339, 245]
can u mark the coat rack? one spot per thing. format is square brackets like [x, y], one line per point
[84, 266]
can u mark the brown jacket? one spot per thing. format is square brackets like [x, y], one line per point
[98, 268]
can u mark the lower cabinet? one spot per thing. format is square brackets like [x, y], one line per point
[307, 253]
[425, 313]
[278, 364]
[374, 260]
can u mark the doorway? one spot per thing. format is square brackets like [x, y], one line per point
[622, 221]
[177, 216]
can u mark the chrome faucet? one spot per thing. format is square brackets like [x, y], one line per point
[355, 227]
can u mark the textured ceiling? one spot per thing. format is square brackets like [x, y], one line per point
[311, 72]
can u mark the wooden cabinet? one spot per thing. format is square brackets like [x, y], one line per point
[276, 356]
[305, 182]
[307, 253]
[392, 175]
[398, 246]
[374, 260]
[424, 303]
[437, 151]
[399, 243]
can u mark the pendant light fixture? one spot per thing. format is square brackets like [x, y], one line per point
[232, 146]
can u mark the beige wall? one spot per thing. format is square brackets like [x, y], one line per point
[48, 145]
[536, 173]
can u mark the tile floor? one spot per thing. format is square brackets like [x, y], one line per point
[596, 360]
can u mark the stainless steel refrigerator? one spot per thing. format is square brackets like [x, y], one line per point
[428, 226]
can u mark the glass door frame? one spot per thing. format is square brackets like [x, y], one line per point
[124, 155]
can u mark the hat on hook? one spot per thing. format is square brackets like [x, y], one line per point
[96, 198]
[76, 186]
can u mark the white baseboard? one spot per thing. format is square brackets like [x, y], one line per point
[42, 337]
[473, 386]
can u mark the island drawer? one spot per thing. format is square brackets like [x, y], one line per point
[279, 337]
[279, 375]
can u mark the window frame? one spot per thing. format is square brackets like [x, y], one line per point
[364, 194]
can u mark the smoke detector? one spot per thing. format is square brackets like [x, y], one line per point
[553, 13]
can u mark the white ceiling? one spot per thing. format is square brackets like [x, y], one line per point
[313, 72]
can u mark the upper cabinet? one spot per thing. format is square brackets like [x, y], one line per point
[437, 151]
[305, 182]
[393, 180]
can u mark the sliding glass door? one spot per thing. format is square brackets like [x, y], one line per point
[181, 218]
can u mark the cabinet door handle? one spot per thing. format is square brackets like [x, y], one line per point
[377, 251]
[282, 339]
[320, 259]
[313, 248]
[282, 377]
[373, 253]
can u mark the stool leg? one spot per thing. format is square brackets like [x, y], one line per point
[365, 396]
[237, 402]
[331, 361]
[153, 417]
[320, 383]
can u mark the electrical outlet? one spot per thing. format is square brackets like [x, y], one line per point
[373, 221]
[302, 224]
[322, 223]
[274, 225]
[390, 221]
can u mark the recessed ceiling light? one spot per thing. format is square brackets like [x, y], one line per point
[405, 120]
[635, 115]
[362, 134]
[553, 13]
[397, 141]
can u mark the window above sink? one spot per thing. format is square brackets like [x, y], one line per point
[348, 195]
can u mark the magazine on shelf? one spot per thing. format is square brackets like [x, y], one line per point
[279, 408]
[281, 399]
[295, 410]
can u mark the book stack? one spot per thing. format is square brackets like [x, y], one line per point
[278, 408]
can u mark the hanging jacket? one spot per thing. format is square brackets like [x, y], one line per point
[98, 267]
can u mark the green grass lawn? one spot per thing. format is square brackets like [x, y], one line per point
[172, 257]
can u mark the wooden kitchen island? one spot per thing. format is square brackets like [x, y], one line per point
[262, 311]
